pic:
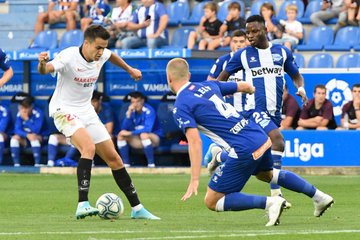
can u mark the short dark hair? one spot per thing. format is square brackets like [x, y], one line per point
[319, 86]
[137, 95]
[97, 95]
[238, 33]
[27, 102]
[234, 5]
[256, 18]
[356, 85]
[96, 31]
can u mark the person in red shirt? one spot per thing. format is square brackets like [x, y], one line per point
[350, 116]
[290, 111]
[318, 113]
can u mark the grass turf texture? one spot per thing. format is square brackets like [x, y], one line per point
[43, 207]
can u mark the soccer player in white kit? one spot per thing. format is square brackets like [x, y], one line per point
[78, 69]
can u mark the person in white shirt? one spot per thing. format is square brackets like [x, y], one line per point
[293, 29]
[78, 69]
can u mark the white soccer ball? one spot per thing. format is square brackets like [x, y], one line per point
[110, 206]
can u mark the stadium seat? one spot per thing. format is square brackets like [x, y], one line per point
[223, 9]
[357, 47]
[299, 59]
[348, 60]
[71, 38]
[345, 39]
[196, 14]
[321, 60]
[45, 40]
[313, 6]
[282, 12]
[178, 12]
[180, 37]
[255, 7]
[318, 37]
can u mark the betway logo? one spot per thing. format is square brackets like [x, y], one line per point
[156, 87]
[259, 71]
[304, 151]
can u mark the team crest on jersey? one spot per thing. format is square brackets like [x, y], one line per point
[191, 87]
[276, 57]
[253, 59]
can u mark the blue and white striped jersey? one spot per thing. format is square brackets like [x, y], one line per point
[264, 68]
[201, 105]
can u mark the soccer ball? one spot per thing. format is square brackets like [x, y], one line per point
[110, 206]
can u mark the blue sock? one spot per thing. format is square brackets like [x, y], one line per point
[2, 146]
[124, 151]
[277, 164]
[295, 183]
[71, 152]
[52, 152]
[37, 154]
[149, 153]
[15, 154]
[240, 201]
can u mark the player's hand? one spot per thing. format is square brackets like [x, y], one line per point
[125, 133]
[135, 74]
[192, 189]
[43, 57]
[303, 96]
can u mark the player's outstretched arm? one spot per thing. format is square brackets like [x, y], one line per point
[245, 87]
[195, 153]
[298, 80]
[118, 61]
[8, 74]
[43, 66]
[224, 75]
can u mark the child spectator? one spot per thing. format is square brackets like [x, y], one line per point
[293, 32]
[95, 12]
[232, 22]
[350, 116]
[117, 21]
[353, 12]
[140, 129]
[318, 113]
[208, 30]
[272, 24]
[290, 111]
[29, 126]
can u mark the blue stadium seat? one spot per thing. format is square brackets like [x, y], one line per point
[256, 6]
[196, 14]
[223, 9]
[45, 40]
[357, 47]
[321, 60]
[180, 37]
[299, 59]
[71, 38]
[318, 37]
[345, 39]
[178, 12]
[348, 60]
[282, 12]
[313, 6]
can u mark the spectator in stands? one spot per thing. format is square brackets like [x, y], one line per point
[149, 21]
[94, 12]
[67, 11]
[350, 116]
[5, 66]
[140, 129]
[104, 111]
[29, 126]
[208, 30]
[293, 29]
[353, 12]
[5, 123]
[330, 9]
[318, 113]
[273, 27]
[117, 21]
[290, 111]
[232, 22]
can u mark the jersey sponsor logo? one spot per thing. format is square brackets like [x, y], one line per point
[261, 71]
[239, 126]
[303, 151]
[339, 93]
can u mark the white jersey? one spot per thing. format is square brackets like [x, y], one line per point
[75, 81]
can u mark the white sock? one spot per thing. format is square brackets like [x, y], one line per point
[137, 207]
[121, 143]
[318, 195]
[220, 204]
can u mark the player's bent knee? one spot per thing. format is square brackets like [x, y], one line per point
[264, 176]
[144, 136]
[210, 203]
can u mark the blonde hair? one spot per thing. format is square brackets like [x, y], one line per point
[178, 68]
[291, 7]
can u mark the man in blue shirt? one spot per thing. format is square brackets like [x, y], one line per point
[150, 22]
[5, 66]
[140, 129]
[200, 106]
[29, 125]
[264, 65]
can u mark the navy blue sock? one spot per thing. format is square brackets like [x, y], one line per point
[2, 146]
[52, 152]
[149, 153]
[15, 154]
[123, 148]
[295, 183]
[37, 154]
[277, 164]
[71, 152]
[240, 201]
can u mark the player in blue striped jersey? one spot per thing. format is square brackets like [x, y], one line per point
[200, 106]
[264, 65]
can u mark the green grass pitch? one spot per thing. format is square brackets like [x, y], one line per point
[42, 206]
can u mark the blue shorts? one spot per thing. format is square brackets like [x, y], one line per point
[263, 119]
[235, 172]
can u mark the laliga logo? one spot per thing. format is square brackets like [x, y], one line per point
[339, 93]
[304, 151]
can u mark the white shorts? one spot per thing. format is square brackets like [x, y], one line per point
[69, 122]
